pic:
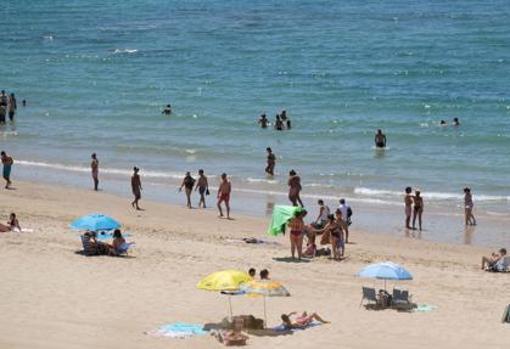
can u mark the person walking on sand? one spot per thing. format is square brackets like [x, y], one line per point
[94, 167]
[7, 162]
[418, 208]
[294, 184]
[188, 182]
[224, 191]
[468, 207]
[408, 202]
[12, 106]
[271, 162]
[202, 187]
[380, 140]
[136, 187]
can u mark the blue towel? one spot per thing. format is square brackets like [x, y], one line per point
[179, 330]
[283, 328]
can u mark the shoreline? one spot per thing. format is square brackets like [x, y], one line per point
[59, 295]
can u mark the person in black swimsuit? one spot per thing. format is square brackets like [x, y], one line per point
[418, 208]
[380, 139]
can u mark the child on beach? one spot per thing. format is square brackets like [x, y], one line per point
[224, 191]
[418, 208]
[203, 187]
[468, 207]
[136, 187]
[188, 182]
[7, 161]
[408, 202]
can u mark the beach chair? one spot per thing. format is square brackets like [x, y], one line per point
[400, 297]
[369, 294]
[88, 249]
[506, 264]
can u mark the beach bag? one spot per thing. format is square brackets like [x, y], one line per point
[506, 315]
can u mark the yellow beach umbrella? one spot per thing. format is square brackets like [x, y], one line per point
[265, 288]
[224, 281]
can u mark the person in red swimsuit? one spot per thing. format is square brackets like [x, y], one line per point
[224, 195]
[297, 227]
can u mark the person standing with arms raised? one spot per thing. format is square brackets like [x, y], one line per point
[94, 168]
[136, 188]
[294, 184]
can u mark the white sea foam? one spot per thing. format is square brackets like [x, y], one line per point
[124, 50]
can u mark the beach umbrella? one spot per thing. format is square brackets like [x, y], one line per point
[95, 222]
[226, 281]
[385, 271]
[281, 216]
[265, 288]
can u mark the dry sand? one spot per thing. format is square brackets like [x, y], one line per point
[52, 297]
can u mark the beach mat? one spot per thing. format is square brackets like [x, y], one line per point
[179, 330]
[424, 308]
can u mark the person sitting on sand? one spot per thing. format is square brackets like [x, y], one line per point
[495, 262]
[118, 241]
[264, 274]
[93, 247]
[252, 272]
[297, 226]
[302, 321]
[234, 337]
[12, 224]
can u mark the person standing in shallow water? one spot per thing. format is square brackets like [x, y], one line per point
[7, 161]
[380, 139]
[418, 208]
[263, 121]
[278, 124]
[294, 184]
[202, 187]
[136, 187]
[408, 202]
[167, 110]
[12, 106]
[94, 167]
[271, 162]
[468, 207]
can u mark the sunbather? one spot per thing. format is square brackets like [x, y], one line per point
[93, 247]
[234, 336]
[301, 321]
[495, 262]
[12, 224]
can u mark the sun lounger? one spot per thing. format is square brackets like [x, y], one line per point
[400, 296]
[369, 294]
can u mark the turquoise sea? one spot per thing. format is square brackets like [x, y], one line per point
[96, 75]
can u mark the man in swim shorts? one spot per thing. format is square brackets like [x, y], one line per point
[12, 106]
[136, 187]
[7, 162]
[203, 187]
[271, 162]
[380, 139]
[224, 195]
[408, 202]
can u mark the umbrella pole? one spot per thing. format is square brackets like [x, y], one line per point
[230, 306]
[265, 315]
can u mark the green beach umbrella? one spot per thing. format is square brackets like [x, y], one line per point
[281, 216]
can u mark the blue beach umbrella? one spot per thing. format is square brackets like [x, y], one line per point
[95, 222]
[385, 271]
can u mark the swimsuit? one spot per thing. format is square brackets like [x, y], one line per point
[224, 197]
[7, 171]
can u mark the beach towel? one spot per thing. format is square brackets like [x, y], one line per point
[178, 330]
[283, 328]
[424, 308]
[281, 216]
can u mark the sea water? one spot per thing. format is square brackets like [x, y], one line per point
[97, 74]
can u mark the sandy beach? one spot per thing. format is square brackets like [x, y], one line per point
[53, 297]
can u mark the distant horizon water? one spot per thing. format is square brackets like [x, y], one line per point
[97, 75]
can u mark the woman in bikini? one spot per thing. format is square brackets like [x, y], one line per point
[418, 208]
[297, 227]
[301, 321]
[468, 207]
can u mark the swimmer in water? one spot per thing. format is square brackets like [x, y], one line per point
[443, 123]
[380, 140]
[263, 121]
[456, 122]
[278, 124]
[167, 110]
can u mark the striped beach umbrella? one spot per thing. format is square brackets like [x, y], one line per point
[265, 288]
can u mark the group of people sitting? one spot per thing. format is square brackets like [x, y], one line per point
[93, 247]
[333, 229]
[12, 224]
